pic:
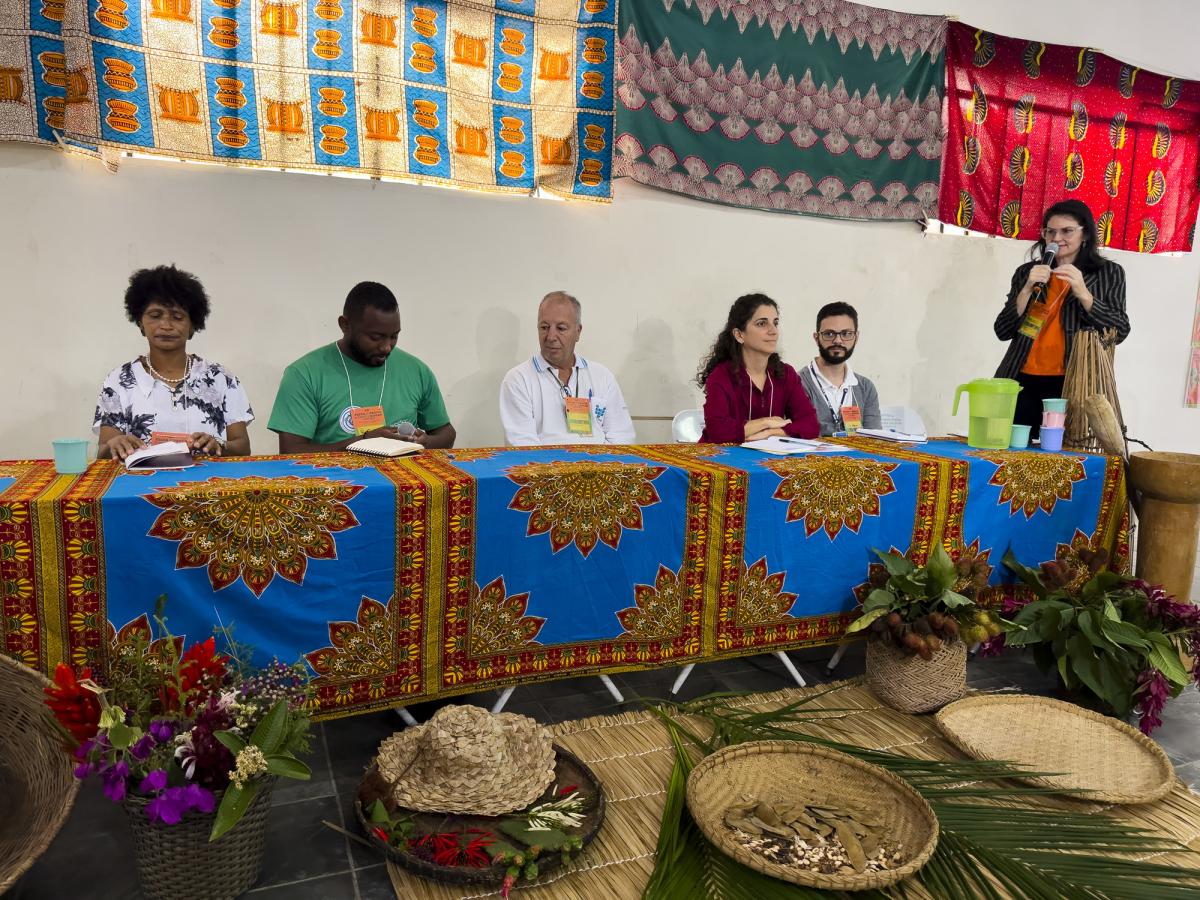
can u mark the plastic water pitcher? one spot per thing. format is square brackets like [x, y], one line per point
[992, 405]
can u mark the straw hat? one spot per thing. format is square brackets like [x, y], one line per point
[466, 760]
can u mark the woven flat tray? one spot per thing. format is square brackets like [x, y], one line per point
[805, 773]
[1112, 761]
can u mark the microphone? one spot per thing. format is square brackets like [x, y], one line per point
[1039, 290]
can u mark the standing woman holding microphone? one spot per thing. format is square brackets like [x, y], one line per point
[1051, 301]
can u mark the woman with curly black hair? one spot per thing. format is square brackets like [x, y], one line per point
[749, 392]
[168, 393]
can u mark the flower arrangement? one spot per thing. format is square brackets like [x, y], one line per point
[193, 730]
[917, 609]
[1117, 638]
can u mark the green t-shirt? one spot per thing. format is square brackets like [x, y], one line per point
[314, 395]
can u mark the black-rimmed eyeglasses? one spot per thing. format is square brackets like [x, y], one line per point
[844, 335]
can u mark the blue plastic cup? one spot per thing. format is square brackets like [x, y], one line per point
[1054, 404]
[70, 456]
[1052, 439]
[1020, 437]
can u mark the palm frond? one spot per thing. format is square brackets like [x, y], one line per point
[688, 867]
[993, 844]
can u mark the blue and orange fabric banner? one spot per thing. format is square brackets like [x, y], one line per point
[458, 571]
[510, 96]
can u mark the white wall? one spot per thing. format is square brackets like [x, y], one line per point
[656, 273]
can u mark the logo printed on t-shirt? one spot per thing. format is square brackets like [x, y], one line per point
[345, 422]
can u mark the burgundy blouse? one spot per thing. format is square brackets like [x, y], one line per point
[731, 400]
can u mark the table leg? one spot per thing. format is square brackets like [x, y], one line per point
[682, 677]
[612, 689]
[787, 664]
[836, 658]
[502, 699]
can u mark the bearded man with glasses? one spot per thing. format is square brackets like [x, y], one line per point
[843, 399]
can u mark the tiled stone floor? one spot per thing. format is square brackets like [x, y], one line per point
[92, 856]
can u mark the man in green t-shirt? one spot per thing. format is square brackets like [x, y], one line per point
[360, 386]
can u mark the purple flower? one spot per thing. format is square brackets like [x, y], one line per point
[994, 646]
[168, 807]
[200, 798]
[172, 804]
[84, 769]
[163, 730]
[155, 781]
[142, 747]
[114, 781]
[1154, 692]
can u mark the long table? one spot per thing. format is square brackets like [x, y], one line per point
[455, 571]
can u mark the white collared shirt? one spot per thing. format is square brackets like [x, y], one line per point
[532, 409]
[209, 400]
[835, 396]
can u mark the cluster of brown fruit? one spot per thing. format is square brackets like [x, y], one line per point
[1063, 574]
[971, 576]
[924, 636]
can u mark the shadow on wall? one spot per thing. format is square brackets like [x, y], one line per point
[952, 334]
[474, 402]
[656, 388]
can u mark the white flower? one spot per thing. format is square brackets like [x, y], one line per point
[186, 753]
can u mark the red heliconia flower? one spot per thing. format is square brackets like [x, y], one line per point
[381, 833]
[201, 667]
[77, 708]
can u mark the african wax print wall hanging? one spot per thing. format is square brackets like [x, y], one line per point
[807, 106]
[1033, 123]
[508, 96]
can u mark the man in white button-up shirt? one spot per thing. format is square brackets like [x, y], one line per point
[557, 397]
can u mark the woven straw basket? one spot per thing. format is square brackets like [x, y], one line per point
[36, 779]
[804, 773]
[1112, 761]
[914, 685]
[177, 862]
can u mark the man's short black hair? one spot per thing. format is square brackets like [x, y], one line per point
[169, 286]
[837, 308]
[368, 293]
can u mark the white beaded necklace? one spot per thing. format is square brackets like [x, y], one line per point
[187, 367]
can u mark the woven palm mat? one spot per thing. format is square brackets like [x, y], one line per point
[631, 754]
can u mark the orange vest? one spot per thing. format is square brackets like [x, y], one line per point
[1048, 355]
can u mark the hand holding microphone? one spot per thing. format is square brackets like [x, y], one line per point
[1039, 275]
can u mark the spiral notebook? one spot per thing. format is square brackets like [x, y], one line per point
[385, 447]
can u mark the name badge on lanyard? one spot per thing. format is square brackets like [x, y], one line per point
[851, 418]
[579, 415]
[366, 418]
[1040, 311]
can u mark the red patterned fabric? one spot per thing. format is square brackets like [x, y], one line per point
[1031, 123]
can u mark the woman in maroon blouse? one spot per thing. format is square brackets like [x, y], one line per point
[749, 392]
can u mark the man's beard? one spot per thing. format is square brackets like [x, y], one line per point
[357, 355]
[832, 360]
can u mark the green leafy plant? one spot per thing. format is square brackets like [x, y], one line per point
[991, 844]
[918, 608]
[1116, 638]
